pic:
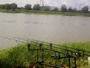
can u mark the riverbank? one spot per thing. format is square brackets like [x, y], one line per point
[46, 12]
[20, 57]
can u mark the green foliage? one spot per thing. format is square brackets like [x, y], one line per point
[2, 6]
[74, 10]
[19, 56]
[46, 12]
[70, 9]
[64, 8]
[28, 7]
[7, 6]
[55, 9]
[13, 6]
[46, 8]
[36, 7]
[85, 9]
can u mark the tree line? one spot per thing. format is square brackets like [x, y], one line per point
[12, 6]
[63, 8]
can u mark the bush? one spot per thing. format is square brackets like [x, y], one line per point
[46, 8]
[28, 7]
[36, 7]
[13, 6]
[64, 8]
[85, 9]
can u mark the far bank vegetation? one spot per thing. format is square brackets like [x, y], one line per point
[37, 8]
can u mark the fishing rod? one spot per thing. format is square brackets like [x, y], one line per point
[14, 39]
[25, 40]
[66, 55]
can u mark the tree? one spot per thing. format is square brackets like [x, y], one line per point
[64, 8]
[74, 10]
[36, 7]
[28, 7]
[55, 9]
[7, 6]
[85, 9]
[70, 9]
[0, 6]
[46, 8]
[13, 6]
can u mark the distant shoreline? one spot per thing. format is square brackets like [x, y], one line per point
[46, 12]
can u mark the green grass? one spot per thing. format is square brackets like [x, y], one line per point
[19, 56]
[89, 63]
[45, 12]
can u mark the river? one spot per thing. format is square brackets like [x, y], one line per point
[48, 28]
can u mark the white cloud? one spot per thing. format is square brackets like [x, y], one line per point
[23, 2]
[4, 1]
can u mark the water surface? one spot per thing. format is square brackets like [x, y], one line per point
[49, 28]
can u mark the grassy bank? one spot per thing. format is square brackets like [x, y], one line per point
[45, 12]
[20, 57]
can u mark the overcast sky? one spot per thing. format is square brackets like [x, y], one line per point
[58, 3]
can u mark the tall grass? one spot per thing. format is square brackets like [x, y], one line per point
[20, 57]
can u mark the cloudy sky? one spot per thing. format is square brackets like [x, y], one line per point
[72, 3]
